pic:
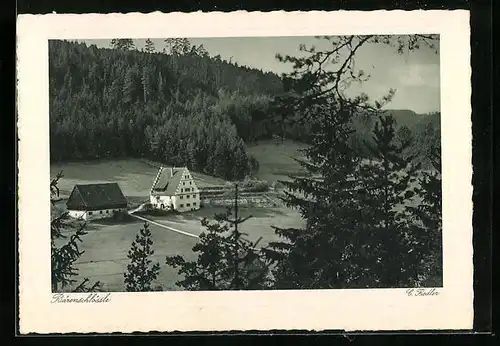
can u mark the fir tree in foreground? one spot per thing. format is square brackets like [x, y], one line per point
[140, 273]
[386, 186]
[429, 213]
[353, 236]
[64, 248]
[333, 249]
[403, 206]
[225, 260]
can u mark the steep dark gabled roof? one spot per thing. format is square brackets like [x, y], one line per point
[168, 181]
[96, 196]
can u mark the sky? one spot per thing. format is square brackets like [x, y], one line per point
[415, 75]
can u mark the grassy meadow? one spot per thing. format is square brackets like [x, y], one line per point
[106, 246]
[276, 160]
[259, 225]
[107, 242]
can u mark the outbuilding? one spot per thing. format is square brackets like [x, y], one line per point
[96, 201]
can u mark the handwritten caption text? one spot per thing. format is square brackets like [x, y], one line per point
[87, 298]
[422, 292]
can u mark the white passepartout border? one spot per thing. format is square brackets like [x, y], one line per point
[366, 309]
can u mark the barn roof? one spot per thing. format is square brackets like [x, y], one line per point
[168, 180]
[96, 196]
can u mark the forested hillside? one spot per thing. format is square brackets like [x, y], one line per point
[180, 106]
[184, 108]
[422, 131]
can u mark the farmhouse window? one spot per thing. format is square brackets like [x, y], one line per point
[183, 183]
[181, 197]
[182, 205]
[188, 205]
[90, 213]
[100, 212]
[194, 204]
[107, 211]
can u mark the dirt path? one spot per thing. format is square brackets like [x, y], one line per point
[173, 229]
[163, 226]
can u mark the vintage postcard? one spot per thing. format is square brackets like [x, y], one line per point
[245, 171]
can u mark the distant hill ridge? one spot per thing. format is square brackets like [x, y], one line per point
[425, 129]
[410, 118]
[403, 117]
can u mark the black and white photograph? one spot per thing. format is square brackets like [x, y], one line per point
[306, 170]
[245, 163]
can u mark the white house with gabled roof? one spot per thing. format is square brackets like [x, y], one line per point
[174, 189]
[96, 201]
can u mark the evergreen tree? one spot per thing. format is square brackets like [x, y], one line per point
[220, 159]
[176, 47]
[429, 214]
[160, 88]
[199, 50]
[140, 273]
[65, 250]
[241, 161]
[404, 135]
[130, 86]
[122, 44]
[225, 260]
[335, 249]
[386, 182]
[406, 138]
[181, 46]
[149, 46]
[146, 83]
[325, 253]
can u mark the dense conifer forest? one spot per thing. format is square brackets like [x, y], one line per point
[174, 104]
[181, 108]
